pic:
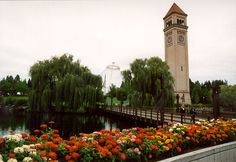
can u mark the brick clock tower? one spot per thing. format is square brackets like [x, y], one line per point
[176, 51]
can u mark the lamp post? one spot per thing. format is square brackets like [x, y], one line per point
[216, 101]
[177, 103]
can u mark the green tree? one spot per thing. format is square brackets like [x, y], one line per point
[121, 95]
[11, 86]
[149, 77]
[228, 97]
[63, 85]
[112, 93]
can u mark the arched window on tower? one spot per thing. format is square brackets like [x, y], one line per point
[180, 22]
[168, 23]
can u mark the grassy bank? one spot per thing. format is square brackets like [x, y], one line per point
[15, 100]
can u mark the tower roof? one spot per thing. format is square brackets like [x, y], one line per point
[175, 9]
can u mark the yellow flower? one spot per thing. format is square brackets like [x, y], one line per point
[160, 143]
[167, 141]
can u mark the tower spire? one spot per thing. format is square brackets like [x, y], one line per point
[175, 9]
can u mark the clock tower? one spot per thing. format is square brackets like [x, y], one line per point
[176, 51]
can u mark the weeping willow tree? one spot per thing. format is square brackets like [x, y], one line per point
[146, 80]
[63, 85]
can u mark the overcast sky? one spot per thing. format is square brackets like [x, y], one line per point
[99, 32]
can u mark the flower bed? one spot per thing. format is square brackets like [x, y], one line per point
[134, 144]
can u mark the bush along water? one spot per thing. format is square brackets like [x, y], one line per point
[134, 144]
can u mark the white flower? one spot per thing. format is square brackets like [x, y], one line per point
[198, 122]
[12, 160]
[90, 139]
[1, 160]
[133, 136]
[33, 152]
[170, 130]
[27, 159]
[18, 150]
[1, 157]
[32, 145]
[178, 129]
[26, 147]
[118, 141]
[124, 141]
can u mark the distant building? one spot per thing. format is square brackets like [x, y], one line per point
[176, 51]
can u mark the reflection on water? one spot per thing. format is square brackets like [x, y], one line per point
[68, 124]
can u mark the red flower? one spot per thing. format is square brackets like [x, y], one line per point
[138, 140]
[101, 141]
[150, 156]
[122, 156]
[178, 149]
[11, 155]
[1, 139]
[24, 135]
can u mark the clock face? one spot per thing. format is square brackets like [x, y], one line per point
[181, 38]
[169, 39]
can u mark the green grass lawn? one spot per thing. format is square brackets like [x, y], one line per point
[115, 101]
[16, 97]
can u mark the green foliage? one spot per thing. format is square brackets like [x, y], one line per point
[11, 86]
[112, 93]
[16, 100]
[1, 99]
[202, 92]
[64, 86]
[147, 80]
[228, 97]
[121, 95]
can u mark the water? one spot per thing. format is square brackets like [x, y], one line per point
[67, 124]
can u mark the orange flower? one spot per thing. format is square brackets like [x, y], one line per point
[44, 136]
[55, 135]
[55, 131]
[154, 147]
[67, 157]
[32, 138]
[75, 155]
[43, 126]
[36, 131]
[43, 153]
[52, 155]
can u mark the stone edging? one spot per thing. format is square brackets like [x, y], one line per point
[223, 152]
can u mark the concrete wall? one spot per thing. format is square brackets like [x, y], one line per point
[220, 153]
